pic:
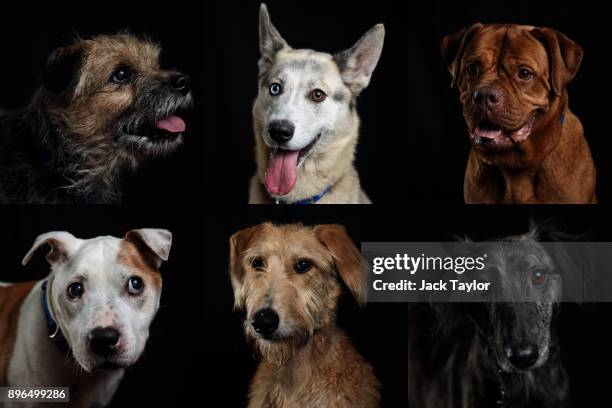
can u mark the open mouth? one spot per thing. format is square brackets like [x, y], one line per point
[488, 134]
[281, 174]
[166, 130]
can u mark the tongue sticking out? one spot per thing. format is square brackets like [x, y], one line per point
[172, 124]
[282, 172]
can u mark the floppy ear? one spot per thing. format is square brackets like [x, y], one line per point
[62, 68]
[238, 243]
[62, 245]
[453, 46]
[358, 62]
[564, 56]
[347, 258]
[270, 40]
[153, 243]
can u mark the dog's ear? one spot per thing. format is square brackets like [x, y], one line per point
[238, 243]
[62, 68]
[270, 40]
[564, 57]
[62, 245]
[453, 46]
[347, 259]
[153, 243]
[358, 62]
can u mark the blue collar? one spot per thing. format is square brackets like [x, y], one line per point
[312, 200]
[52, 328]
[562, 118]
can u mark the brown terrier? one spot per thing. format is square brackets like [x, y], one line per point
[287, 279]
[103, 106]
[527, 146]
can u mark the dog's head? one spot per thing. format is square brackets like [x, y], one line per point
[509, 77]
[109, 93]
[287, 280]
[104, 292]
[306, 103]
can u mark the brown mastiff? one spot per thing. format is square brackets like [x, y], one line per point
[527, 146]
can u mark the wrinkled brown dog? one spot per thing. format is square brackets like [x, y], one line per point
[527, 146]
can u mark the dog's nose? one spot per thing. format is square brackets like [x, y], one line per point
[181, 83]
[103, 340]
[523, 356]
[487, 97]
[281, 131]
[265, 321]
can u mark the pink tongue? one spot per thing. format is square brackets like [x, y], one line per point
[172, 124]
[282, 172]
[488, 133]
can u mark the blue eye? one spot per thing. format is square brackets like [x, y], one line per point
[275, 89]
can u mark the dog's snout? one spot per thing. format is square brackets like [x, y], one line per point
[281, 131]
[523, 356]
[265, 322]
[181, 83]
[487, 97]
[103, 340]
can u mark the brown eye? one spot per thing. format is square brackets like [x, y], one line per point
[318, 96]
[471, 70]
[135, 286]
[257, 263]
[122, 75]
[75, 290]
[525, 74]
[538, 276]
[302, 266]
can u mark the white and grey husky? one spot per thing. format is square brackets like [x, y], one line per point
[305, 119]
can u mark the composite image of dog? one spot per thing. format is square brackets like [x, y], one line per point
[527, 145]
[287, 279]
[88, 320]
[305, 120]
[103, 107]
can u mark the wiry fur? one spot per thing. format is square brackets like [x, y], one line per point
[307, 361]
[75, 139]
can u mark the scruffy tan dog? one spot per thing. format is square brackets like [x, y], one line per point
[287, 279]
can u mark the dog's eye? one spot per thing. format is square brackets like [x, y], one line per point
[538, 276]
[525, 74]
[275, 89]
[75, 290]
[135, 286]
[122, 75]
[471, 70]
[257, 263]
[318, 96]
[302, 266]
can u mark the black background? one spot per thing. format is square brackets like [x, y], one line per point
[30, 31]
[413, 146]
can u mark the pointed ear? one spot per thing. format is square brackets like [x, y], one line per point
[238, 243]
[347, 258]
[62, 245]
[61, 71]
[358, 62]
[453, 46]
[564, 57]
[270, 40]
[155, 244]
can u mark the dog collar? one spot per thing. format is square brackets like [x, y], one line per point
[52, 327]
[562, 118]
[312, 200]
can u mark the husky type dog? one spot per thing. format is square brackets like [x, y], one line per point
[305, 119]
[503, 354]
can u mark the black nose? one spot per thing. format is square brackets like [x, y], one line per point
[181, 83]
[523, 356]
[281, 131]
[103, 340]
[265, 321]
[487, 97]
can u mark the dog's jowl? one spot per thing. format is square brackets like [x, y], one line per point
[88, 320]
[305, 119]
[287, 279]
[103, 106]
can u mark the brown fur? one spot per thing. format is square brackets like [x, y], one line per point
[139, 258]
[554, 163]
[310, 362]
[11, 299]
